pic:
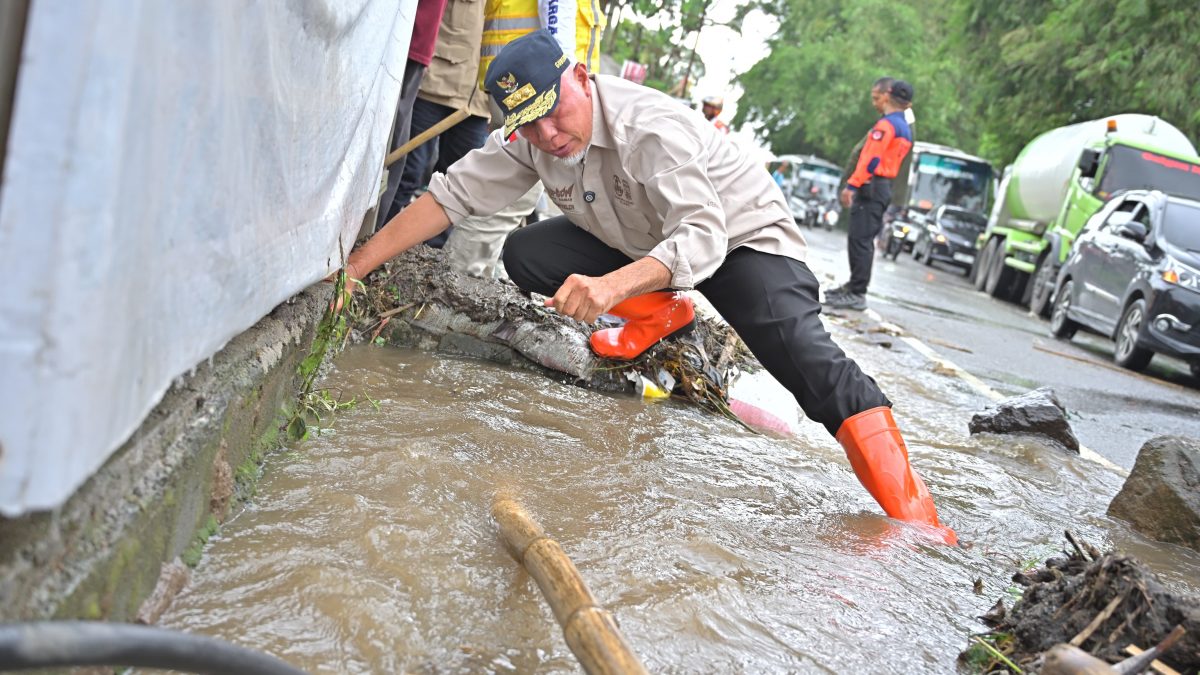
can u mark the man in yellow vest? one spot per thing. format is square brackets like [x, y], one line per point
[575, 24]
[475, 244]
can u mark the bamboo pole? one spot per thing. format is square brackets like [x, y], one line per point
[590, 631]
[452, 119]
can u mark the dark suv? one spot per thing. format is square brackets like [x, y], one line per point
[1134, 274]
[950, 237]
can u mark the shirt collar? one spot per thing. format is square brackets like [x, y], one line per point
[600, 134]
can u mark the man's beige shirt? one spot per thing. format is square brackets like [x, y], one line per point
[453, 75]
[658, 180]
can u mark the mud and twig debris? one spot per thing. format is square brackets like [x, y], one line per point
[416, 300]
[1102, 603]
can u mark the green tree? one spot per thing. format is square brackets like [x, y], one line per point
[810, 94]
[1038, 65]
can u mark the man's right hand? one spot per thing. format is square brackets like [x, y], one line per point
[847, 197]
[353, 283]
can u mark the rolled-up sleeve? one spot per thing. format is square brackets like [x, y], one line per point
[671, 161]
[485, 180]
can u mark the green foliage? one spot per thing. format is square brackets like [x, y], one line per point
[812, 93]
[1040, 65]
[989, 76]
[666, 51]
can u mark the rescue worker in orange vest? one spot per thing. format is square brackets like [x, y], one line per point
[869, 191]
[711, 106]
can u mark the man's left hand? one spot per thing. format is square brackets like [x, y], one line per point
[584, 298]
[847, 197]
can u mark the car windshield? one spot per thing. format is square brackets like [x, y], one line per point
[824, 179]
[950, 181]
[963, 221]
[1181, 225]
[1133, 169]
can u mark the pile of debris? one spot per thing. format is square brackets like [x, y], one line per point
[416, 300]
[1085, 608]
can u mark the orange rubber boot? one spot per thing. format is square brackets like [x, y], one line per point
[880, 459]
[650, 318]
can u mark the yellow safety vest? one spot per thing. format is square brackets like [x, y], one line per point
[507, 20]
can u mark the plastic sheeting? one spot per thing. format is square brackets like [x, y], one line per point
[175, 170]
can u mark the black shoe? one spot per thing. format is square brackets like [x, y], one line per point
[853, 301]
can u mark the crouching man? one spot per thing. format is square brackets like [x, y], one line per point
[654, 197]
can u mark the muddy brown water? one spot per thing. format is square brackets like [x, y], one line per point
[370, 549]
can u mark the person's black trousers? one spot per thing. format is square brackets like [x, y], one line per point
[437, 154]
[770, 300]
[866, 220]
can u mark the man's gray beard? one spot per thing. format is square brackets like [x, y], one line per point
[575, 159]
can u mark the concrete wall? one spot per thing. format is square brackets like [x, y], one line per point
[160, 497]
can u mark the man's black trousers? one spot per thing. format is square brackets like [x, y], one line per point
[770, 300]
[866, 220]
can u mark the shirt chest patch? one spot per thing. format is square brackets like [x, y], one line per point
[621, 191]
[877, 134]
[563, 197]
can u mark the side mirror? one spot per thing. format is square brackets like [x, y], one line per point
[1132, 230]
[1089, 162]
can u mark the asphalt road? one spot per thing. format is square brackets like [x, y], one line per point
[1113, 410]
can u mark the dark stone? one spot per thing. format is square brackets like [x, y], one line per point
[1036, 413]
[1161, 497]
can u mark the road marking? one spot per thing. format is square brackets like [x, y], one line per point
[975, 383]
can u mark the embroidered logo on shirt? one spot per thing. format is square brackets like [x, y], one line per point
[621, 190]
[564, 196]
[877, 135]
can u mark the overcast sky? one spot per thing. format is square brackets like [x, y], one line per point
[727, 53]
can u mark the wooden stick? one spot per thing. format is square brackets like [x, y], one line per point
[590, 631]
[1103, 616]
[1138, 662]
[454, 118]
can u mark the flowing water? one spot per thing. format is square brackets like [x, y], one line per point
[371, 549]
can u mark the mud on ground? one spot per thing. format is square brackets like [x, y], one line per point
[1102, 603]
[416, 300]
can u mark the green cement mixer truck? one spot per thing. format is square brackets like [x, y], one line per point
[1059, 180]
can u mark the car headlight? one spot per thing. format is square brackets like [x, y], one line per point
[831, 217]
[1181, 275]
[940, 238]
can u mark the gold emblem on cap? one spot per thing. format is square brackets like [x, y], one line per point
[538, 108]
[508, 83]
[516, 98]
[561, 60]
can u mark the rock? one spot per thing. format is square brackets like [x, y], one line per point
[1161, 497]
[1036, 413]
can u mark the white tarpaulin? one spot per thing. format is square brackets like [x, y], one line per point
[175, 170]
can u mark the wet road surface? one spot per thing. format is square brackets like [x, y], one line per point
[1113, 410]
[370, 548]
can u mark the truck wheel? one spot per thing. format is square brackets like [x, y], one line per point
[981, 264]
[1127, 354]
[1062, 326]
[999, 281]
[1041, 299]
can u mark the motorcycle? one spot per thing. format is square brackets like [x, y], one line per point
[901, 227]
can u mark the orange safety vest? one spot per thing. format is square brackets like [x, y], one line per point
[886, 146]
